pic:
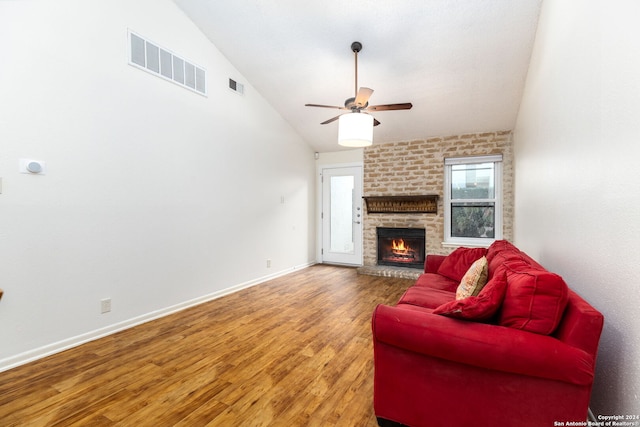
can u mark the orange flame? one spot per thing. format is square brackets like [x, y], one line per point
[398, 246]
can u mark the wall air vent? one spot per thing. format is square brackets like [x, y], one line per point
[236, 87]
[163, 63]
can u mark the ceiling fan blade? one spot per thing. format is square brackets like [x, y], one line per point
[387, 107]
[324, 106]
[376, 122]
[330, 120]
[362, 97]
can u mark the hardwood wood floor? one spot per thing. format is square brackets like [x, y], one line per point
[294, 351]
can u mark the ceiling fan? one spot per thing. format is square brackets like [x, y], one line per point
[360, 102]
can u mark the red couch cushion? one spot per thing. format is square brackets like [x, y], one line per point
[535, 299]
[432, 263]
[426, 297]
[499, 246]
[511, 256]
[456, 264]
[481, 307]
[436, 281]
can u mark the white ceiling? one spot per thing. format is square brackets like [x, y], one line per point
[462, 63]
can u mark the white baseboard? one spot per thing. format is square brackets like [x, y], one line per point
[57, 347]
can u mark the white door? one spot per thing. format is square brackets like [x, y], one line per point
[342, 215]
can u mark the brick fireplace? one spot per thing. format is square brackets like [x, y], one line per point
[417, 168]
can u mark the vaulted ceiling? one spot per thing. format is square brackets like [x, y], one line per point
[462, 63]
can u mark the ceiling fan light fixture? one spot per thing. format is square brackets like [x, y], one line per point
[355, 130]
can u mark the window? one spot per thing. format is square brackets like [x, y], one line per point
[473, 200]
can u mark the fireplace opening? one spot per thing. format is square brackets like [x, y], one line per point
[401, 247]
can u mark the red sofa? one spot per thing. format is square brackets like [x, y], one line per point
[521, 352]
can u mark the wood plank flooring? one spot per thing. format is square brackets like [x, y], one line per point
[294, 351]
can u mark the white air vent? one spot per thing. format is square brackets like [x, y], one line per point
[236, 87]
[163, 63]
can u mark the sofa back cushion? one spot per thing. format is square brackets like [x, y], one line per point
[457, 263]
[535, 299]
[497, 260]
[503, 250]
[499, 246]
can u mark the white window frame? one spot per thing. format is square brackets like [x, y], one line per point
[496, 159]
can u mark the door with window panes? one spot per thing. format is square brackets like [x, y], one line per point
[342, 215]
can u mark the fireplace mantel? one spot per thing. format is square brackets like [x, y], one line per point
[402, 204]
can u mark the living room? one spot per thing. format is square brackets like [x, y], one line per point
[150, 192]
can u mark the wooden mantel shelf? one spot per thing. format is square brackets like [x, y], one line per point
[402, 204]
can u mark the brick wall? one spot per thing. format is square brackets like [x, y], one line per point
[417, 167]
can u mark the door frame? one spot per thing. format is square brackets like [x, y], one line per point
[319, 202]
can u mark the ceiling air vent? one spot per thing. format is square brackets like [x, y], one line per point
[163, 63]
[236, 87]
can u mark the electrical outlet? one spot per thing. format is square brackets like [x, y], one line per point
[268, 263]
[105, 305]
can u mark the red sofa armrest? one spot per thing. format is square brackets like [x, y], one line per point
[482, 345]
[432, 263]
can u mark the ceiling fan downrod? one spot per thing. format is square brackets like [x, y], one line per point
[356, 47]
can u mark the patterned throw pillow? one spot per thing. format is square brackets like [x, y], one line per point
[473, 280]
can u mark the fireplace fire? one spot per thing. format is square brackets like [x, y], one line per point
[401, 247]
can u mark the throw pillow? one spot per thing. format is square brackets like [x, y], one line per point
[473, 280]
[456, 264]
[481, 307]
[534, 301]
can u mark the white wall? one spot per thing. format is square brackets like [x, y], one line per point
[154, 196]
[338, 157]
[577, 146]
